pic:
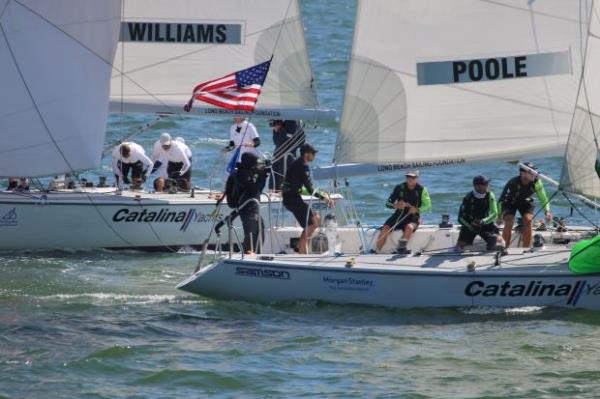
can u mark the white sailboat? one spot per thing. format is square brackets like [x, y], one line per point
[60, 61]
[439, 83]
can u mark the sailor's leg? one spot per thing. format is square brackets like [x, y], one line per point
[509, 219]
[314, 221]
[527, 229]
[409, 229]
[383, 235]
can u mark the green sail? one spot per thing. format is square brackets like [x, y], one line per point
[585, 256]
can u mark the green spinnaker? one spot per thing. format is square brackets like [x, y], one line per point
[585, 256]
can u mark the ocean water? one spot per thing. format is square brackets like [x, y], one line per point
[103, 324]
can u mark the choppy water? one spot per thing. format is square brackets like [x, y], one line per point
[103, 325]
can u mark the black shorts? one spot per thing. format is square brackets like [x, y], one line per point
[522, 207]
[409, 219]
[137, 169]
[488, 232]
[173, 169]
[296, 205]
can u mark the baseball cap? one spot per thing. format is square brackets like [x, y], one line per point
[308, 148]
[412, 173]
[529, 165]
[165, 139]
[480, 179]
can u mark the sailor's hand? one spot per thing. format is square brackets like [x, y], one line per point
[476, 223]
[400, 205]
[413, 210]
[549, 216]
[329, 201]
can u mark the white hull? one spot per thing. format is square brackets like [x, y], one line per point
[102, 219]
[443, 280]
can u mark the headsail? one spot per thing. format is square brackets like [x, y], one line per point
[167, 47]
[581, 169]
[441, 82]
[55, 58]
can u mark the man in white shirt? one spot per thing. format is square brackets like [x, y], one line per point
[127, 157]
[172, 163]
[243, 134]
[186, 149]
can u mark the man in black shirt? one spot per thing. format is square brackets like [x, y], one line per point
[251, 179]
[288, 137]
[297, 180]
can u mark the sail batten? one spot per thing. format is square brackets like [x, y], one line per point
[440, 81]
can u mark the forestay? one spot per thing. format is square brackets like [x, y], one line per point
[580, 174]
[167, 47]
[55, 58]
[435, 82]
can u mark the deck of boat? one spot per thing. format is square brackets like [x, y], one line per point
[552, 259]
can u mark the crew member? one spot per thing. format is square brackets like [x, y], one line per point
[298, 179]
[243, 134]
[178, 166]
[127, 157]
[517, 196]
[477, 216]
[186, 148]
[409, 199]
[13, 182]
[251, 178]
[288, 137]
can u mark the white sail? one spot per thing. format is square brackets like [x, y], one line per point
[579, 173]
[55, 63]
[443, 82]
[167, 47]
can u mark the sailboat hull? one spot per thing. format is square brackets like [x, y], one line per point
[536, 279]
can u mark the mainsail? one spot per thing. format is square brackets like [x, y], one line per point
[167, 47]
[55, 58]
[581, 169]
[436, 82]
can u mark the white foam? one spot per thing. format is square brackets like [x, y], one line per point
[112, 298]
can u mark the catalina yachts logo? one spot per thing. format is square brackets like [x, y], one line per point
[9, 219]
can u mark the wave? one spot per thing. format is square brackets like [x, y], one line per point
[120, 299]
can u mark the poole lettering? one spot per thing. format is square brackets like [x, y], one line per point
[489, 69]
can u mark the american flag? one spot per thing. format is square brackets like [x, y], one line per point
[236, 91]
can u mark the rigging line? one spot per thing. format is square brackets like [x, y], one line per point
[4, 9]
[158, 100]
[290, 144]
[283, 23]
[43, 121]
[122, 66]
[579, 211]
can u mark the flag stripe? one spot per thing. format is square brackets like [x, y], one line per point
[235, 91]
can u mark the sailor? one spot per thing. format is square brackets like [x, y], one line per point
[13, 182]
[178, 166]
[288, 137]
[409, 199]
[517, 196]
[186, 149]
[251, 177]
[21, 185]
[477, 216]
[243, 134]
[297, 180]
[127, 157]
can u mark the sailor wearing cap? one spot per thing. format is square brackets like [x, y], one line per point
[172, 162]
[409, 199]
[477, 216]
[518, 196]
[127, 157]
[298, 181]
